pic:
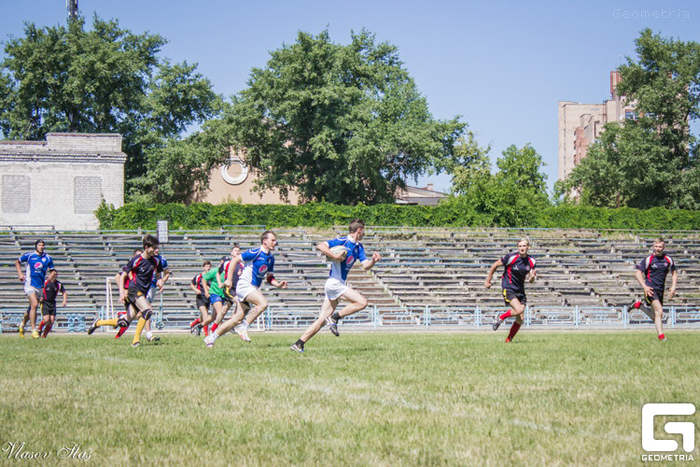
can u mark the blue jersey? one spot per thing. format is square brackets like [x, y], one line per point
[37, 265]
[340, 269]
[516, 269]
[164, 265]
[257, 265]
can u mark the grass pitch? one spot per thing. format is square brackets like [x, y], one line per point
[556, 398]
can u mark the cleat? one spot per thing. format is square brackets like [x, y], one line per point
[508, 340]
[93, 326]
[244, 335]
[631, 307]
[153, 339]
[663, 340]
[333, 326]
[198, 330]
[209, 342]
[20, 329]
[296, 348]
[135, 344]
[35, 334]
[497, 323]
[193, 329]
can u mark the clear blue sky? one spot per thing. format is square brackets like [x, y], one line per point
[501, 66]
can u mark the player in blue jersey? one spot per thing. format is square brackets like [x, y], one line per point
[336, 285]
[33, 277]
[259, 266]
[651, 274]
[517, 268]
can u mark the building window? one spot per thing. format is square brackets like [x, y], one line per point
[630, 115]
[87, 194]
[16, 194]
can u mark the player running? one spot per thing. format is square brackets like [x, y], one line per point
[200, 288]
[34, 276]
[259, 266]
[651, 274]
[518, 267]
[140, 270]
[156, 289]
[336, 285]
[52, 287]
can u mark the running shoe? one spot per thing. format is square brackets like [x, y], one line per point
[497, 323]
[20, 329]
[93, 326]
[296, 348]
[35, 334]
[333, 326]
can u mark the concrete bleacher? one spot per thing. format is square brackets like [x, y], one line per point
[420, 267]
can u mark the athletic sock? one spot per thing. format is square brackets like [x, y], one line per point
[195, 322]
[300, 343]
[41, 325]
[214, 337]
[335, 316]
[206, 330]
[121, 332]
[214, 326]
[139, 329]
[106, 322]
[662, 337]
[149, 335]
[513, 330]
[48, 329]
[505, 315]
[637, 305]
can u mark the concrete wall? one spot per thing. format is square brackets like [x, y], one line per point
[61, 181]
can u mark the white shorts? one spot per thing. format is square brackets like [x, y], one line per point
[243, 290]
[28, 290]
[335, 288]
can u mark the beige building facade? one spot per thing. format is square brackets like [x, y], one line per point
[581, 124]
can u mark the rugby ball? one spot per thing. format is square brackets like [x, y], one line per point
[338, 249]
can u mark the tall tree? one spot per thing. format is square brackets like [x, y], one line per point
[653, 160]
[341, 123]
[107, 79]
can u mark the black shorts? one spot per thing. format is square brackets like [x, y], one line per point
[658, 295]
[509, 295]
[135, 293]
[202, 302]
[48, 309]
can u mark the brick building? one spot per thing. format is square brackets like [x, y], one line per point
[60, 181]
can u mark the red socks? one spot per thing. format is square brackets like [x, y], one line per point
[513, 331]
[195, 322]
[206, 330]
[637, 305]
[505, 315]
[41, 325]
[662, 337]
[213, 327]
[121, 332]
[47, 330]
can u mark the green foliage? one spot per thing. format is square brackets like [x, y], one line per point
[344, 124]
[108, 80]
[651, 161]
[480, 208]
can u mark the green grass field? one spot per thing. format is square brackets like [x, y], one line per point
[552, 398]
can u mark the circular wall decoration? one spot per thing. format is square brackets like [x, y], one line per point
[235, 172]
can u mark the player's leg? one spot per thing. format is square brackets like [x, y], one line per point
[144, 307]
[327, 310]
[49, 323]
[658, 309]
[258, 304]
[517, 310]
[357, 302]
[235, 319]
[33, 304]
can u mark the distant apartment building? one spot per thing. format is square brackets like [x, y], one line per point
[581, 124]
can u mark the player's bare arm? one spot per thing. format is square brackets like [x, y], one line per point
[494, 266]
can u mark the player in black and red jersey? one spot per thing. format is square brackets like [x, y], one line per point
[518, 267]
[651, 274]
[52, 287]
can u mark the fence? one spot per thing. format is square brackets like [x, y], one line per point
[415, 318]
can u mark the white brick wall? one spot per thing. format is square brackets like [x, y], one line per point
[52, 168]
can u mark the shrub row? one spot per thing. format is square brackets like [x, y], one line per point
[452, 213]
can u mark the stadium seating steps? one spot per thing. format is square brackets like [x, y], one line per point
[420, 267]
